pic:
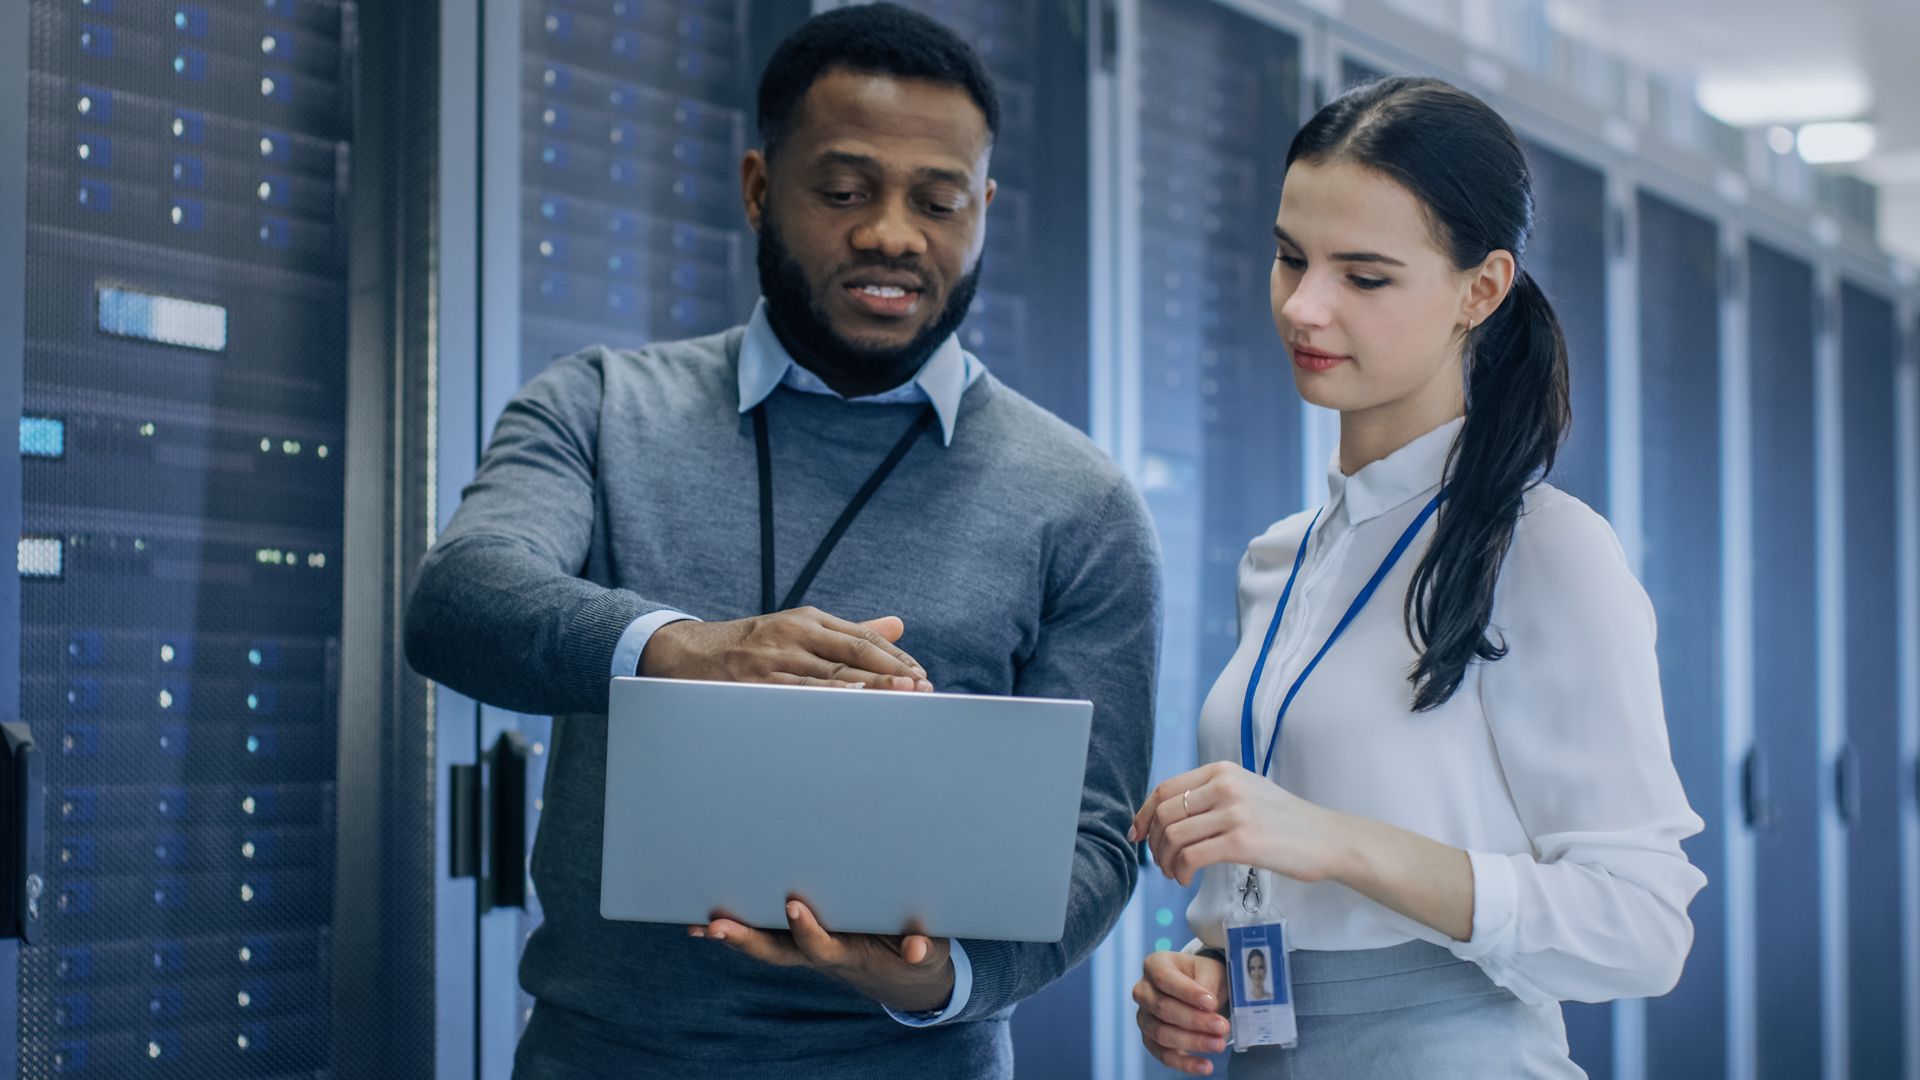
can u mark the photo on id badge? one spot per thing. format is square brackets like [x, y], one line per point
[1262, 1013]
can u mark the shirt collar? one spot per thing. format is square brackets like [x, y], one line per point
[1412, 470]
[942, 380]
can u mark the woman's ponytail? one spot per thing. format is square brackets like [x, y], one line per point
[1517, 410]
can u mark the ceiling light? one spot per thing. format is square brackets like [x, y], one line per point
[1747, 101]
[1835, 142]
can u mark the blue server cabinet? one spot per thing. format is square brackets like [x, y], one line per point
[182, 445]
[1783, 777]
[1872, 779]
[1567, 256]
[1679, 291]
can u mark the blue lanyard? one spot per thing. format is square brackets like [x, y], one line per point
[1360, 601]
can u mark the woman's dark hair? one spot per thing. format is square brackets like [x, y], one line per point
[874, 39]
[1465, 166]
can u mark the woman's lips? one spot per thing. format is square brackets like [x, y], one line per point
[1314, 360]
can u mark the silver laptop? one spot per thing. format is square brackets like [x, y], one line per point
[943, 814]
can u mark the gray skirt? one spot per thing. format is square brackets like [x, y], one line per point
[1411, 1010]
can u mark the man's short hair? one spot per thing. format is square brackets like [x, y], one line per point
[874, 39]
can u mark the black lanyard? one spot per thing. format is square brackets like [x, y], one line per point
[764, 459]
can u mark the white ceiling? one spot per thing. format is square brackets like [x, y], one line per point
[1870, 45]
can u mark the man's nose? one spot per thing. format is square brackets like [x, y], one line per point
[891, 231]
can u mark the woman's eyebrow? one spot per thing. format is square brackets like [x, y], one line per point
[1281, 235]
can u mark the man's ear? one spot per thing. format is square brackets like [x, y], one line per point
[753, 187]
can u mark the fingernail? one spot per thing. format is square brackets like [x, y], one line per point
[923, 686]
[719, 936]
[1211, 1000]
[698, 932]
[793, 911]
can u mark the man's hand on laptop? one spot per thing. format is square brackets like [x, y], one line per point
[908, 973]
[801, 647]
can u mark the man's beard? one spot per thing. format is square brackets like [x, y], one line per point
[802, 325]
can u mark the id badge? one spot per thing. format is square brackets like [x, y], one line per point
[1261, 980]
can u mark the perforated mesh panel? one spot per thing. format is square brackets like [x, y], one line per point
[186, 343]
[1679, 289]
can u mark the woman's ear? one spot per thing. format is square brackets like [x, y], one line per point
[1488, 286]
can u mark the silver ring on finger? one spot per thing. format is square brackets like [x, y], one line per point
[1185, 810]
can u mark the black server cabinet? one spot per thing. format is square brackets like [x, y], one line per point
[1783, 776]
[181, 430]
[634, 116]
[1871, 782]
[1679, 294]
[1219, 99]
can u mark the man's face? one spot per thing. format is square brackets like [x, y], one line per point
[871, 219]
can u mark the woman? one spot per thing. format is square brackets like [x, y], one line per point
[1468, 812]
[1259, 981]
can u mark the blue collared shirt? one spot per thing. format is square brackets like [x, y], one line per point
[764, 365]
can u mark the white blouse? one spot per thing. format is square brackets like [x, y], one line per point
[1550, 767]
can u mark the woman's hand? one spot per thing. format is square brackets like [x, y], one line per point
[1181, 998]
[1221, 813]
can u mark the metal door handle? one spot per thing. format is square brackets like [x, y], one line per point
[23, 839]
[1846, 784]
[488, 833]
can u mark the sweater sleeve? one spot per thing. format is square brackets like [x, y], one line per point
[1598, 909]
[1098, 640]
[499, 611]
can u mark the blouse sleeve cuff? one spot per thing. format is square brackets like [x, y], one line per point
[1495, 900]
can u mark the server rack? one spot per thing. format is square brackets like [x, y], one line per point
[182, 436]
[1679, 269]
[1783, 793]
[1871, 780]
[1568, 257]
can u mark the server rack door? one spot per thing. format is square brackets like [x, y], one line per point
[1568, 258]
[13, 230]
[1219, 100]
[1679, 294]
[182, 432]
[1783, 776]
[1871, 779]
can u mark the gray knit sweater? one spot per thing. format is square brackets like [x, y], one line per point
[621, 482]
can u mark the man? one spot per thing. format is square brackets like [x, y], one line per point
[622, 494]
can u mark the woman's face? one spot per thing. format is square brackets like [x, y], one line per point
[1257, 967]
[1371, 309]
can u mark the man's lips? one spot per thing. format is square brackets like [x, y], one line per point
[884, 298]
